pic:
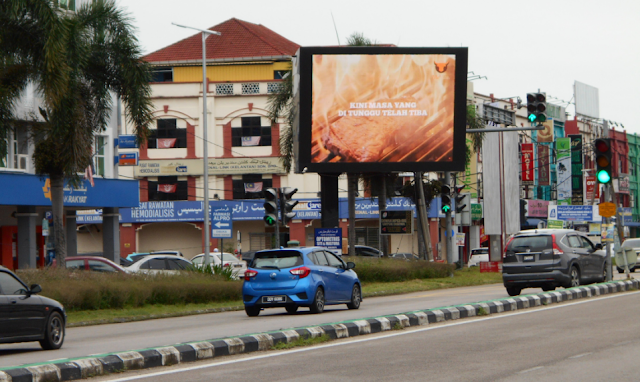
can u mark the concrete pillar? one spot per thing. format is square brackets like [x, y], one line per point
[329, 200]
[27, 251]
[72, 234]
[111, 233]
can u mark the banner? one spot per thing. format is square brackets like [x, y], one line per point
[537, 208]
[167, 188]
[250, 141]
[577, 193]
[563, 169]
[543, 165]
[545, 135]
[166, 143]
[527, 163]
[592, 189]
[253, 187]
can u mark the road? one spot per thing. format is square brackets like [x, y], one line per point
[589, 340]
[101, 339]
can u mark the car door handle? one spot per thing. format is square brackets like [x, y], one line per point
[14, 301]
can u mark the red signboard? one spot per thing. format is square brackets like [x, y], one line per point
[593, 191]
[491, 266]
[543, 165]
[527, 163]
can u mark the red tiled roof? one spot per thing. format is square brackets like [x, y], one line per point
[239, 39]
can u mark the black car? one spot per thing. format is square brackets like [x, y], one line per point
[26, 317]
[549, 258]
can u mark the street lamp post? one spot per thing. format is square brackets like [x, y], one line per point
[205, 153]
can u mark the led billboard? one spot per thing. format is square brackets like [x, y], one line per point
[377, 109]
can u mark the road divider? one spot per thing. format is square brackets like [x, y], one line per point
[80, 368]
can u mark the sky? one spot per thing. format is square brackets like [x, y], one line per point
[515, 46]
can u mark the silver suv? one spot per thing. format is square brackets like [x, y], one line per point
[549, 258]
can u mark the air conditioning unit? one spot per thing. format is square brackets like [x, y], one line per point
[23, 162]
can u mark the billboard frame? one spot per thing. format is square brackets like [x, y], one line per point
[303, 122]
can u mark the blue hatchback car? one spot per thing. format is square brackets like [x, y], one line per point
[293, 277]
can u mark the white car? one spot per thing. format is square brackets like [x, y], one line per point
[154, 264]
[239, 266]
[478, 255]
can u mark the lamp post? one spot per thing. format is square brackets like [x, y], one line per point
[205, 153]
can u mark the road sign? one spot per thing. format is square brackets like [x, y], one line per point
[396, 222]
[607, 209]
[221, 224]
[330, 238]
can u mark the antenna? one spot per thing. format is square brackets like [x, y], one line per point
[335, 27]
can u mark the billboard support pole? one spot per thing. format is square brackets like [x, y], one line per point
[449, 236]
[329, 201]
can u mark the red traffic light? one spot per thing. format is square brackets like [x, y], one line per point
[601, 145]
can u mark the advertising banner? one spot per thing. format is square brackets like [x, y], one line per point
[574, 213]
[555, 224]
[546, 135]
[217, 166]
[330, 238]
[577, 193]
[527, 163]
[128, 159]
[409, 103]
[563, 169]
[537, 208]
[396, 222]
[127, 142]
[543, 165]
[592, 189]
[476, 211]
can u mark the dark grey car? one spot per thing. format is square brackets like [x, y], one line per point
[549, 258]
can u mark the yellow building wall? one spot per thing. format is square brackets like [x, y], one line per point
[252, 72]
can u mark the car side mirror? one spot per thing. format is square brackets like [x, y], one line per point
[35, 288]
[599, 246]
[351, 265]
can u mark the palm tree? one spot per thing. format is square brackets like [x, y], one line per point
[77, 61]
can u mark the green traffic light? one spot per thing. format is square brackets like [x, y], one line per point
[446, 208]
[604, 176]
[532, 117]
[269, 220]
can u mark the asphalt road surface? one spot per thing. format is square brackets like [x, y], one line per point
[101, 339]
[588, 340]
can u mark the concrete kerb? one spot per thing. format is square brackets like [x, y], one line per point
[73, 369]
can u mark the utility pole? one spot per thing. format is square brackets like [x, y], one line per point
[447, 181]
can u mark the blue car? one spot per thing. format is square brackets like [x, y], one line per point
[293, 277]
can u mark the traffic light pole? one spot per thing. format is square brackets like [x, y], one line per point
[277, 229]
[447, 180]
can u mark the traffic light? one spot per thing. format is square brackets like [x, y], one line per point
[445, 198]
[270, 206]
[460, 202]
[537, 107]
[287, 204]
[602, 151]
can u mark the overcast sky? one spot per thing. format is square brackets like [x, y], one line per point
[519, 46]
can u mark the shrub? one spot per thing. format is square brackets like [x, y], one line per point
[79, 290]
[388, 270]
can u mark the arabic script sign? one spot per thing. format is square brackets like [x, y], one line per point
[220, 166]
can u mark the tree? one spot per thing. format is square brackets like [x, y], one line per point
[78, 61]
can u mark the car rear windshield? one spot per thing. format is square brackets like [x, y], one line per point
[631, 243]
[277, 260]
[531, 243]
[479, 252]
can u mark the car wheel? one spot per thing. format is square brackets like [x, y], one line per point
[291, 309]
[604, 273]
[252, 311]
[54, 333]
[575, 276]
[356, 297]
[317, 306]
[548, 288]
[620, 270]
[513, 291]
[632, 270]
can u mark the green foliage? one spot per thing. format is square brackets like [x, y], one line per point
[474, 121]
[226, 273]
[302, 341]
[482, 311]
[398, 326]
[94, 290]
[390, 270]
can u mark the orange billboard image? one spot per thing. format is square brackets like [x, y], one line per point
[383, 108]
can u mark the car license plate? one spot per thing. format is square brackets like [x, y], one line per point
[272, 299]
[528, 258]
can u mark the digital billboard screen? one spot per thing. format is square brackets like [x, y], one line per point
[375, 109]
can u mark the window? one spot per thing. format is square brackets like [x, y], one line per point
[224, 89]
[251, 133]
[168, 135]
[154, 264]
[69, 5]
[168, 188]
[178, 265]
[75, 264]
[249, 182]
[333, 260]
[99, 157]
[99, 266]
[162, 74]
[10, 286]
[322, 259]
[274, 87]
[251, 88]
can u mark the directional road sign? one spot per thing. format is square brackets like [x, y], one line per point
[221, 224]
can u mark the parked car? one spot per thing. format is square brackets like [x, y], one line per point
[154, 264]
[630, 243]
[363, 250]
[28, 317]
[248, 256]
[133, 257]
[304, 276]
[93, 263]
[477, 256]
[239, 266]
[175, 253]
[549, 258]
[404, 256]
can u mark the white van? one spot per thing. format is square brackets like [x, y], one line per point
[478, 255]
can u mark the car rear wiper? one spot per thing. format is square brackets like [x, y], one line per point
[269, 267]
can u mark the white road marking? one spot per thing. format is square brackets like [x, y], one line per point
[532, 369]
[376, 338]
[579, 355]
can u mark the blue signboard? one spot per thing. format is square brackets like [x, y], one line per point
[127, 142]
[571, 213]
[33, 190]
[221, 222]
[330, 238]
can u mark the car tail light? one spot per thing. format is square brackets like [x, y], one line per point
[249, 273]
[504, 254]
[302, 272]
[556, 250]
[227, 265]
